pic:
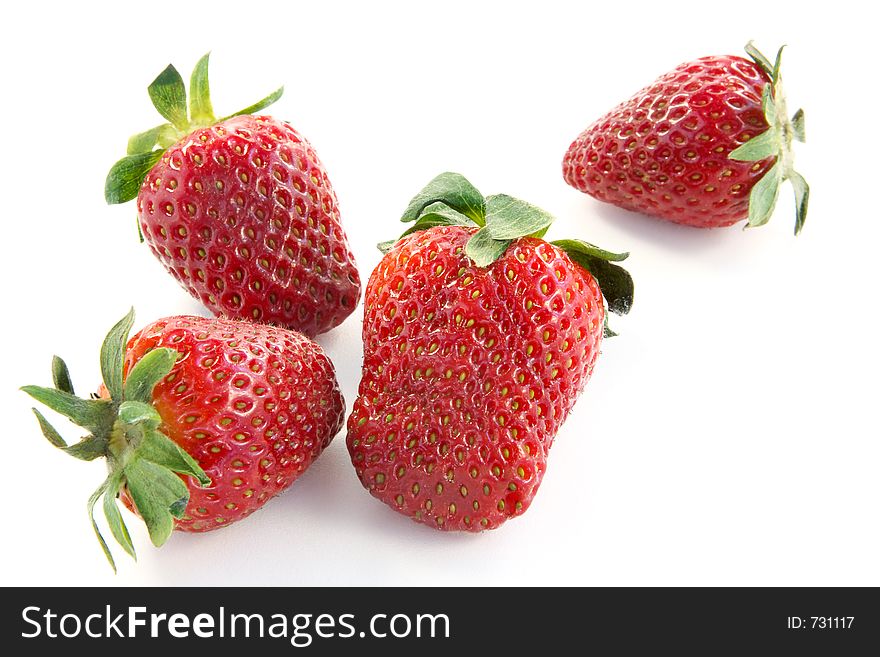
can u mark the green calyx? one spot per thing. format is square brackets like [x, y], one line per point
[125, 430]
[775, 142]
[451, 200]
[169, 97]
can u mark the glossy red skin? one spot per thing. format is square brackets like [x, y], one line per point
[243, 215]
[254, 405]
[432, 416]
[664, 152]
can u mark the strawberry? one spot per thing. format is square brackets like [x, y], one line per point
[707, 144]
[239, 210]
[237, 410]
[478, 338]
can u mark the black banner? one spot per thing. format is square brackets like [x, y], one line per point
[445, 621]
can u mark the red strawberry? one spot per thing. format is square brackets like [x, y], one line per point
[478, 338]
[238, 410]
[705, 145]
[239, 210]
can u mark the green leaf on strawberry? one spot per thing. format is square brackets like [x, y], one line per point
[259, 106]
[143, 142]
[484, 249]
[125, 430]
[768, 104]
[127, 175]
[93, 500]
[775, 142]
[112, 352]
[801, 198]
[615, 281]
[762, 198]
[386, 246]
[508, 218]
[159, 495]
[798, 127]
[147, 372]
[436, 214]
[451, 200]
[51, 433]
[168, 95]
[760, 59]
[139, 414]
[95, 415]
[61, 375]
[88, 449]
[114, 518]
[439, 214]
[453, 190]
[757, 148]
[200, 108]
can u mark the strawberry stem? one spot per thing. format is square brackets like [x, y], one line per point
[451, 200]
[169, 97]
[125, 430]
[776, 142]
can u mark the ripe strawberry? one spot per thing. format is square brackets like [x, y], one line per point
[705, 145]
[478, 338]
[239, 210]
[238, 410]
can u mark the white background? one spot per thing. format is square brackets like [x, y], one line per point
[728, 436]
